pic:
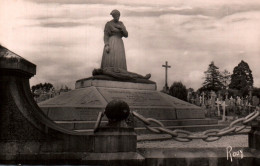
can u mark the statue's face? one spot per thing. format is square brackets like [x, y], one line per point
[116, 17]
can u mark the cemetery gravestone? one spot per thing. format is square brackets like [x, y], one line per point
[227, 102]
[255, 101]
[224, 110]
[218, 102]
[238, 100]
[203, 98]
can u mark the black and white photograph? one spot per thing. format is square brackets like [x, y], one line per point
[123, 83]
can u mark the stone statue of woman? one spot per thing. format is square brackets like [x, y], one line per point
[113, 60]
[114, 51]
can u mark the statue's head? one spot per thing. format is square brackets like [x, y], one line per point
[116, 15]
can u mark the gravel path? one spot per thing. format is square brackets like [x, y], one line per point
[234, 141]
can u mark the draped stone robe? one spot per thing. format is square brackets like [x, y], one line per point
[113, 37]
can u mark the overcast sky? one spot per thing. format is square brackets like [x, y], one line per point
[64, 38]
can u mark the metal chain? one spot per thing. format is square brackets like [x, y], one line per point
[207, 135]
[97, 124]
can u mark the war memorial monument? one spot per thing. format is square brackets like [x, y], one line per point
[33, 135]
[78, 109]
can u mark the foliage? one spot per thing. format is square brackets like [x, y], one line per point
[46, 87]
[178, 90]
[234, 93]
[242, 78]
[225, 79]
[190, 90]
[212, 79]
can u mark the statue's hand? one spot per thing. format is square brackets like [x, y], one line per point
[118, 27]
[107, 48]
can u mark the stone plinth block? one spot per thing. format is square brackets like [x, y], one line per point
[113, 84]
[112, 139]
[115, 159]
[254, 137]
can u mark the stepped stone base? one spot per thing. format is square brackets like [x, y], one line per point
[81, 106]
[186, 123]
[114, 84]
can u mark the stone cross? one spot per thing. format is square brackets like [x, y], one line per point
[218, 103]
[203, 98]
[226, 94]
[166, 75]
[212, 99]
[224, 110]
[238, 100]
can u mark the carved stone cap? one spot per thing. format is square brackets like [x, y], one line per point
[11, 62]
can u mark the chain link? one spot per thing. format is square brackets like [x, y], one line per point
[100, 116]
[207, 135]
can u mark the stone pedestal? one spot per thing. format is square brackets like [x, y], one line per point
[116, 141]
[254, 136]
[112, 140]
[78, 109]
[113, 84]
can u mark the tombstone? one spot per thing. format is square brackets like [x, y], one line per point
[192, 100]
[200, 100]
[220, 97]
[212, 98]
[238, 101]
[255, 101]
[223, 104]
[227, 102]
[197, 101]
[189, 96]
[218, 102]
[226, 94]
[203, 98]
[245, 101]
[232, 101]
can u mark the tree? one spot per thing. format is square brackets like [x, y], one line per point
[178, 90]
[46, 87]
[212, 79]
[225, 79]
[242, 78]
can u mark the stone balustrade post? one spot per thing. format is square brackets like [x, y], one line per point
[254, 135]
[117, 135]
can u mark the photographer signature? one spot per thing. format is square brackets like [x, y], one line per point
[231, 154]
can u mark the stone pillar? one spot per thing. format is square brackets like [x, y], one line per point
[254, 135]
[116, 139]
[117, 135]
